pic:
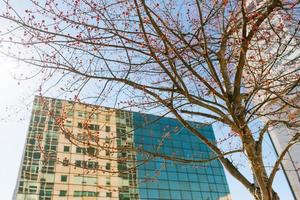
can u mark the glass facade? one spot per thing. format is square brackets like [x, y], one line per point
[80, 151]
[164, 179]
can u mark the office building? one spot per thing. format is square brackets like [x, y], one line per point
[81, 151]
[280, 137]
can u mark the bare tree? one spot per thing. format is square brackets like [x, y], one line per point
[229, 62]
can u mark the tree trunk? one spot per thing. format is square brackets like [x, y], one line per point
[258, 169]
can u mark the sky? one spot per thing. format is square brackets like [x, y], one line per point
[15, 107]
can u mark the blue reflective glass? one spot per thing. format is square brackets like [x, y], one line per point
[221, 188]
[212, 187]
[186, 145]
[171, 168]
[206, 195]
[153, 194]
[214, 195]
[204, 187]
[218, 179]
[202, 178]
[194, 186]
[175, 194]
[183, 177]
[175, 185]
[164, 184]
[209, 170]
[185, 186]
[175, 180]
[152, 184]
[196, 195]
[142, 184]
[150, 165]
[172, 176]
[164, 194]
[143, 192]
[176, 143]
[186, 195]
[163, 175]
[211, 179]
[193, 177]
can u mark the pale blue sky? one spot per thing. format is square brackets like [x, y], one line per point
[13, 128]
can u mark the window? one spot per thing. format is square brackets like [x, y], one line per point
[85, 194]
[79, 125]
[63, 178]
[85, 164]
[108, 194]
[93, 165]
[122, 167]
[48, 193]
[82, 137]
[124, 196]
[78, 163]
[90, 180]
[69, 123]
[107, 180]
[36, 155]
[90, 165]
[31, 141]
[124, 189]
[62, 193]
[21, 186]
[65, 162]
[32, 188]
[79, 150]
[95, 116]
[77, 193]
[66, 149]
[107, 128]
[70, 113]
[94, 127]
[91, 151]
[108, 165]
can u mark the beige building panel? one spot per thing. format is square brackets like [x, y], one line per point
[76, 170]
[77, 156]
[58, 187]
[79, 179]
[61, 169]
